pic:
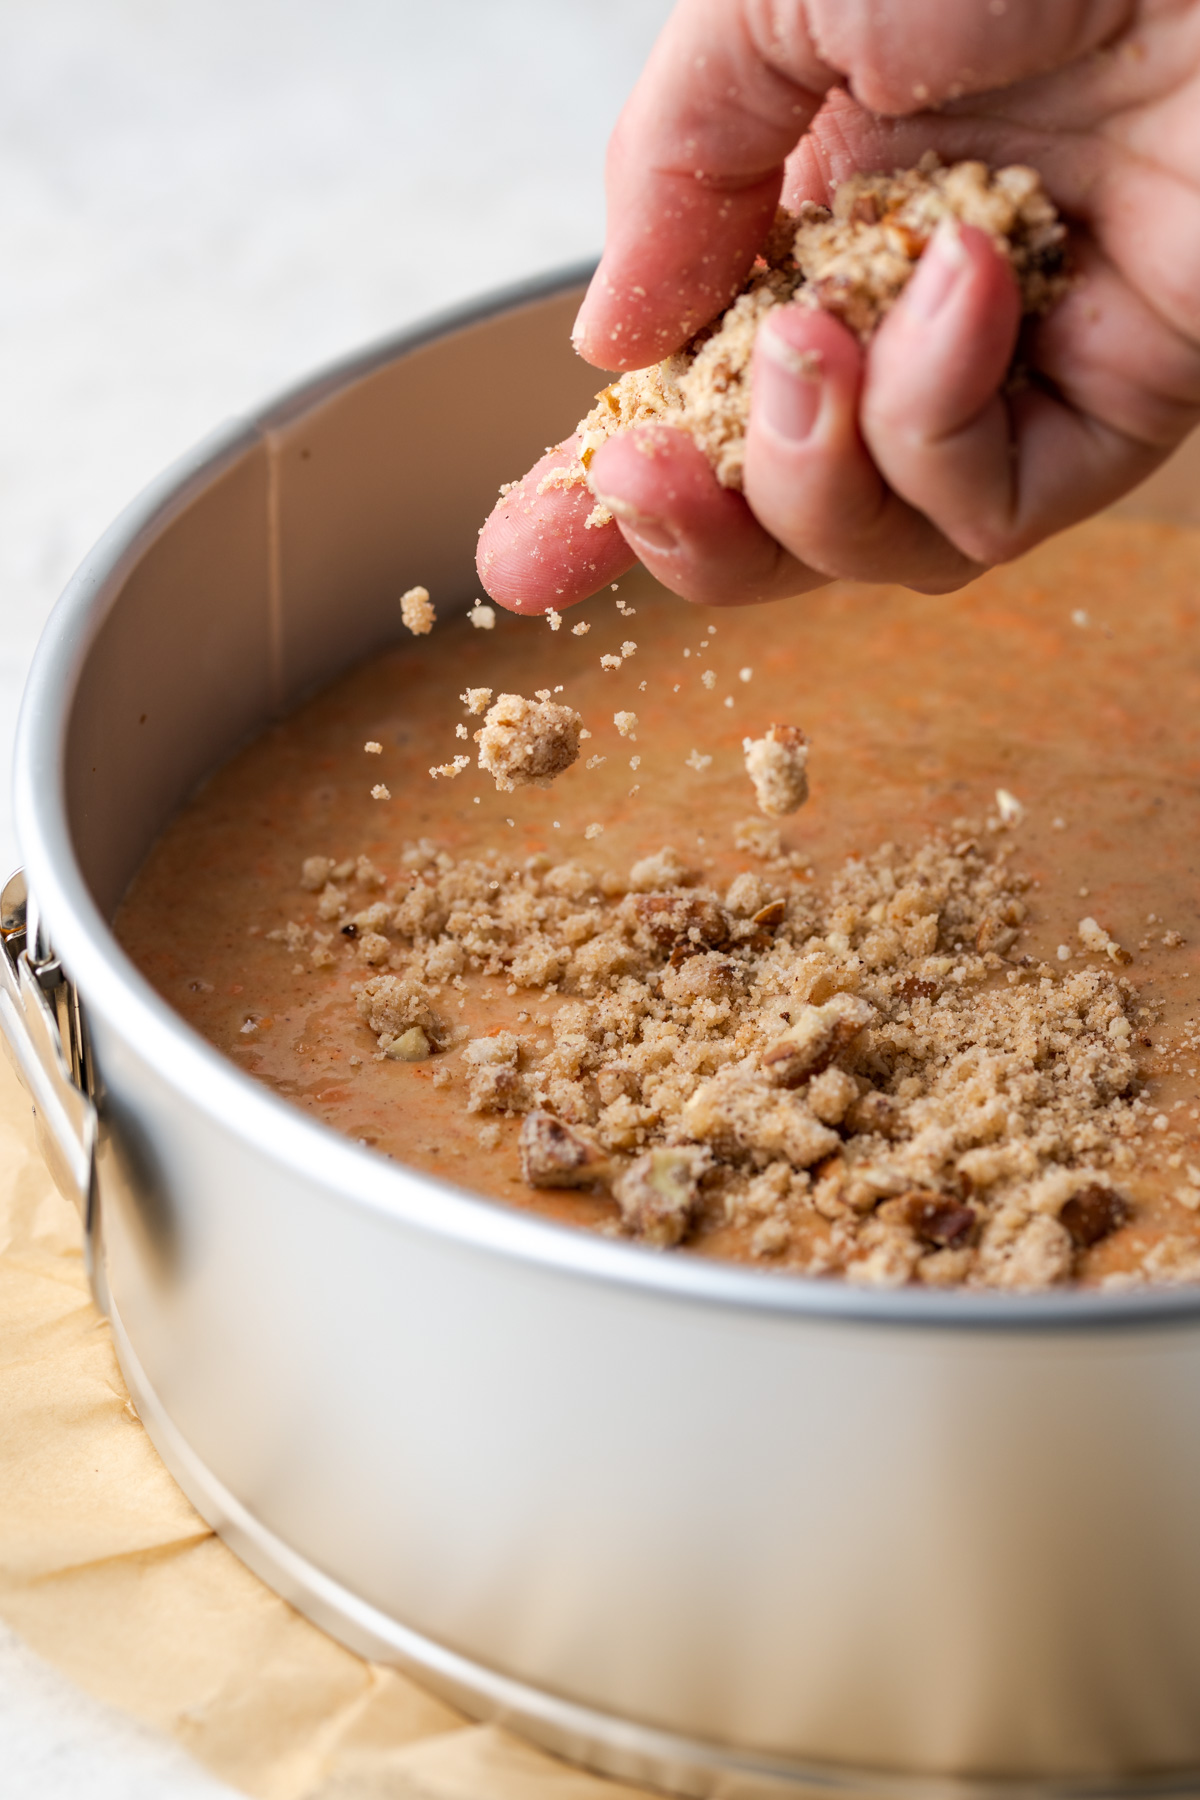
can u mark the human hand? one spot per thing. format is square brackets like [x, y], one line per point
[905, 460]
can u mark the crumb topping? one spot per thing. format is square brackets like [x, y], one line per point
[866, 1078]
[525, 742]
[776, 764]
[853, 261]
[416, 609]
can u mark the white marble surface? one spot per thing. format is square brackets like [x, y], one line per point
[198, 204]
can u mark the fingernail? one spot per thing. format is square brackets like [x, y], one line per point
[788, 385]
[656, 534]
[938, 272]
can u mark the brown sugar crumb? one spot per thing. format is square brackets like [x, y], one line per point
[580, 630]
[477, 700]
[527, 742]
[776, 765]
[372, 748]
[450, 770]
[380, 792]
[853, 261]
[853, 1079]
[626, 724]
[416, 609]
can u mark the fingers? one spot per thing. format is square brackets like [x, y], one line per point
[693, 175]
[932, 415]
[996, 474]
[696, 162]
[809, 477]
[696, 537]
[536, 549]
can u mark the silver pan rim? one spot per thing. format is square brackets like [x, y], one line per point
[115, 989]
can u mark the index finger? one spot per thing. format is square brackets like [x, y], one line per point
[693, 176]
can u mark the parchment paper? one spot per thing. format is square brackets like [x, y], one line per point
[109, 1573]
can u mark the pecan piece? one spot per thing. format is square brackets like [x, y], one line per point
[873, 1113]
[678, 920]
[946, 1224]
[658, 1194]
[1092, 1214]
[558, 1155]
[816, 1037]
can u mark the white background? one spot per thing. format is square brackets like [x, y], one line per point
[198, 203]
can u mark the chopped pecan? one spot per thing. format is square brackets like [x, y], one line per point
[816, 1037]
[935, 1219]
[993, 934]
[768, 917]
[676, 920]
[1092, 1214]
[658, 1193]
[558, 1155]
[916, 987]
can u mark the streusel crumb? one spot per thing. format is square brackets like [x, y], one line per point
[776, 765]
[527, 741]
[416, 609]
[853, 261]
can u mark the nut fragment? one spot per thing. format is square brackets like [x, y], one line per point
[815, 1038]
[939, 1221]
[658, 1193]
[1093, 1213]
[672, 919]
[555, 1155]
[411, 1046]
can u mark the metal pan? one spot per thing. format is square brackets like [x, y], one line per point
[729, 1533]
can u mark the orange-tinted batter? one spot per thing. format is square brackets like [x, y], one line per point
[1070, 679]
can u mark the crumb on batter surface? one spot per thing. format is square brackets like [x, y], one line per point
[853, 260]
[866, 1079]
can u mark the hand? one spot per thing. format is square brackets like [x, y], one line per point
[905, 461]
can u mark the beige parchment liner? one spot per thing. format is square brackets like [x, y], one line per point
[108, 1572]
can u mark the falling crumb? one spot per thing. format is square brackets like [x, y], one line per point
[372, 748]
[709, 679]
[451, 769]
[580, 630]
[1080, 618]
[745, 674]
[626, 723]
[641, 687]
[482, 617]
[635, 789]
[528, 742]
[728, 701]
[477, 700]
[1058, 824]
[1009, 807]
[416, 610]
[712, 631]
[610, 662]
[635, 763]
[776, 765]
[593, 762]
[699, 762]
[460, 730]
[592, 831]
[379, 792]
[553, 619]
[627, 649]
[541, 693]
[1064, 953]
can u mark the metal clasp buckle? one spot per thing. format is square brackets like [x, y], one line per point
[43, 1028]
